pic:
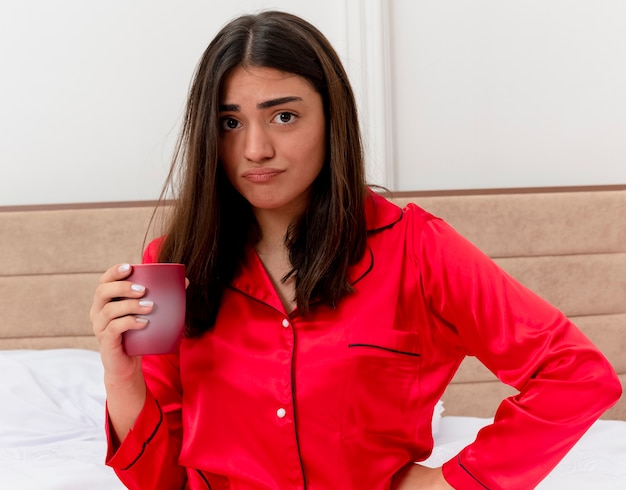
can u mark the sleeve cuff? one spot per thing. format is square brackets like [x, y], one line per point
[145, 430]
[457, 475]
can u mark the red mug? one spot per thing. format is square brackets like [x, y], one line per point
[165, 287]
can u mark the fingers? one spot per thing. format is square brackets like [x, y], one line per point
[116, 310]
[115, 299]
[111, 286]
[111, 328]
[116, 273]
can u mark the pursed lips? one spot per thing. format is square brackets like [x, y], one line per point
[260, 175]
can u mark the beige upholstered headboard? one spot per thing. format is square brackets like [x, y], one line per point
[569, 245]
[50, 260]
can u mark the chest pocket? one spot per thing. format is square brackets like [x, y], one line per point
[393, 341]
[382, 389]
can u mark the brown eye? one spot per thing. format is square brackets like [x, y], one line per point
[285, 118]
[228, 123]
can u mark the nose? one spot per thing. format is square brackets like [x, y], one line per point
[257, 145]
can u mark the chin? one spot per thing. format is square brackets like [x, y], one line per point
[268, 202]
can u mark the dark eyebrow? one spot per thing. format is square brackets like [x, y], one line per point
[261, 105]
[229, 108]
[274, 102]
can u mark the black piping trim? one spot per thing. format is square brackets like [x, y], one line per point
[390, 225]
[293, 380]
[458, 457]
[260, 301]
[396, 351]
[293, 403]
[204, 479]
[368, 269]
[147, 441]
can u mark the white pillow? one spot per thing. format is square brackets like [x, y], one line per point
[437, 412]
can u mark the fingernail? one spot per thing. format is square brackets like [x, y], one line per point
[138, 288]
[124, 268]
[146, 303]
[141, 320]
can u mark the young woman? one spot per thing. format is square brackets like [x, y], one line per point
[323, 322]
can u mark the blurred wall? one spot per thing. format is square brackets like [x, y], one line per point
[453, 94]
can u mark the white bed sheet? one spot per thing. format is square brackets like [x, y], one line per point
[52, 421]
[52, 438]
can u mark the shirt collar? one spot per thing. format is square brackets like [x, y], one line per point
[253, 281]
[380, 213]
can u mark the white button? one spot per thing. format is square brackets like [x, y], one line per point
[281, 412]
[285, 323]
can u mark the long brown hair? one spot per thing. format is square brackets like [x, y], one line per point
[211, 223]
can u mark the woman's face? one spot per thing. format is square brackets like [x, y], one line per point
[273, 138]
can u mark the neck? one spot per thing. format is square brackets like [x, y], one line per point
[273, 227]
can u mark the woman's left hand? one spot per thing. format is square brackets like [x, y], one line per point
[416, 476]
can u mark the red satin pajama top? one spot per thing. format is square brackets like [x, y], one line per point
[343, 398]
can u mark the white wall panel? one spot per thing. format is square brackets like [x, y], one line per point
[92, 93]
[452, 94]
[493, 93]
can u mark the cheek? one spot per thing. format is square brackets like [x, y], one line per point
[308, 158]
[319, 151]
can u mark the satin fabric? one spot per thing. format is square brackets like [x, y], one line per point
[343, 398]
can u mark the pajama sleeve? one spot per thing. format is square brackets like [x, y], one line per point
[148, 457]
[564, 381]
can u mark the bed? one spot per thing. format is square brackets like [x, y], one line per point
[567, 244]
